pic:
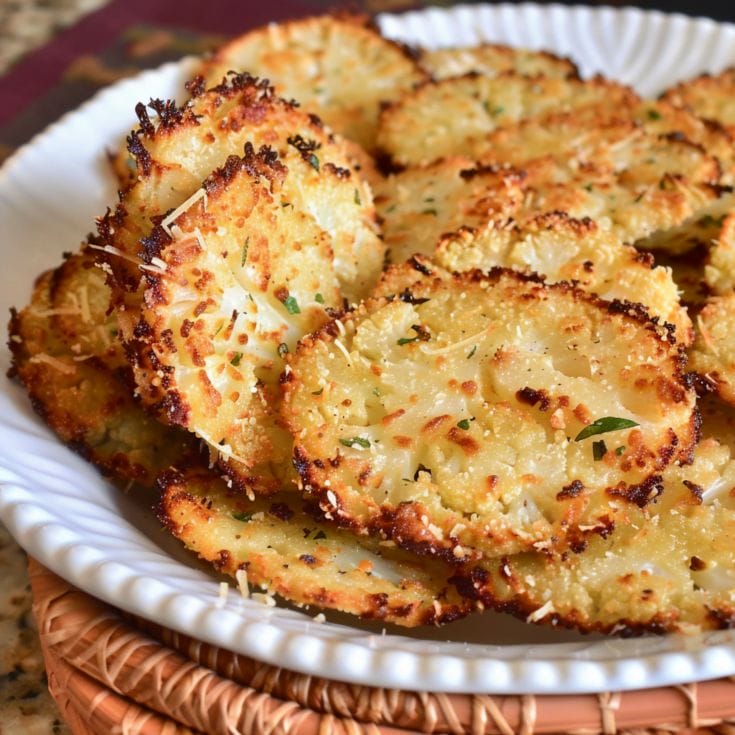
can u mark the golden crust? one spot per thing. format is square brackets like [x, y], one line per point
[338, 67]
[564, 249]
[285, 551]
[490, 59]
[709, 95]
[186, 144]
[662, 568]
[467, 217]
[407, 413]
[453, 117]
[719, 271]
[84, 397]
[713, 352]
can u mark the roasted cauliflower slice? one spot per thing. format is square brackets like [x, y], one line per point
[453, 117]
[578, 251]
[82, 394]
[458, 418]
[713, 352]
[711, 96]
[80, 309]
[491, 59]
[666, 567]
[244, 273]
[719, 271]
[419, 205]
[274, 547]
[636, 184]
[337, 66]
[185, 144]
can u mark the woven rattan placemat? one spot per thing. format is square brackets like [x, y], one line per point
[119, 670]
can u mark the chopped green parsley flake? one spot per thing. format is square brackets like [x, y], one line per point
[244, 517]
[472, 352]
[314, 161]
[282, 349]
[364, 443]
[319, 298]
[464, 424]
[358, 201]
[236, 359]
[292, 306]
[620, 451]
[603, 425]
[317, 392]
[654, 115]
[245, 251]
[431, 211]
[319, 535]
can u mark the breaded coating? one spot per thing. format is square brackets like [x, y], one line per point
[663, 118]
[578, 251]
[711, 96]
[719, 272]
[337, 66]
[699, 231]
[460, 417]
[275, 547]
[491, 59]
[636, 184]
[419, 205]
[83, 395]
[713, 352]
[453, 117]
[80, 310]
[243, 275]
[185, 144]
[662, 568]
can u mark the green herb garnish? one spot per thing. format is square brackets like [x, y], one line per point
[358, 201]
[319, 298]
[364, 443]
[245, 252]
[282, 349]
[235, 361]
[431, 211]
[319, 535]
[244, 517]
[464, 424]
[314, 161]
[620, 451]
[292, 306]
[422, 334]
[317, 392]
[654, 115]
[472, 352]
[603, 425]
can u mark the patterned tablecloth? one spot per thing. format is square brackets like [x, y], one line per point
[54, 54]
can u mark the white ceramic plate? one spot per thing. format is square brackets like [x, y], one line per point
[109, 544]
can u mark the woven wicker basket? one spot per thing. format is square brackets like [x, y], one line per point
[113, 673]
